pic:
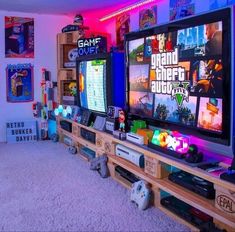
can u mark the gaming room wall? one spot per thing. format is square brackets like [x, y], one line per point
[46, 28]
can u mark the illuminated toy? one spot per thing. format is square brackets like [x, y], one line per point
[172, 140]
[73, 88]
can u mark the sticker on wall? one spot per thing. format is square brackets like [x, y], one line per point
[181, 8]
[214, 4]
[122, 27]
[148, 17]
[19, 79]
[19, 37]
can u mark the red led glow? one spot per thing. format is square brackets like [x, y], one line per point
[125, 9]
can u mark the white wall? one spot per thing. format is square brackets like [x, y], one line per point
[46, 28]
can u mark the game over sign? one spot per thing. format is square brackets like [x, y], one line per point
[21, 131]
[94, 45]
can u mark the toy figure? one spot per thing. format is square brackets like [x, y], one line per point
[73, 88]
[121, 120]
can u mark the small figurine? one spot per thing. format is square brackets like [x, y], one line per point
[121, 120]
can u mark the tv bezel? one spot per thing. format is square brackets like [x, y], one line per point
[108, 81]
[224, 15]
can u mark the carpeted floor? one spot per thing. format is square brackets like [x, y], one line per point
[44, 188]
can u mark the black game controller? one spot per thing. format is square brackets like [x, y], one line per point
[193, 156]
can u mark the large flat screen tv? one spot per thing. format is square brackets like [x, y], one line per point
[179, 76]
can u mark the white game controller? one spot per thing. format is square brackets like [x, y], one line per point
[140, 194]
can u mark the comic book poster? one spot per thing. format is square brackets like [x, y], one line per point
[214, 4]
[19, 79]
[181, 8]
[19, 37]
[122, 27]
[148, 17]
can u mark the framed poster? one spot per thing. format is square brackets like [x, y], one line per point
[19, 37]
[122, 27]
[19, 80]
[148, 17]
[181, 8]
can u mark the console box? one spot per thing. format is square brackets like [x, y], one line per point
[66, 125]
[225, 200]
[88, 135]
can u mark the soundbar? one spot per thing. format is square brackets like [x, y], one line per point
[134, 157]
[135, 138]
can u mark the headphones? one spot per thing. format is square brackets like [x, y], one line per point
[193, 156]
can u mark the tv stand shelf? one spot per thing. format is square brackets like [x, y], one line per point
[159, 182]
[157, 179]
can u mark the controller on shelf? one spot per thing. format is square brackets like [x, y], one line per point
[140, 194]
[193, 156]
[100, 164]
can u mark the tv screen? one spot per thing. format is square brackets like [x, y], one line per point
[179, 75]
[92, 81]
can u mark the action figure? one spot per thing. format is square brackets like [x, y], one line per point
[121, 120]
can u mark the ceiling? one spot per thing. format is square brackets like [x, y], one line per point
[64, 7]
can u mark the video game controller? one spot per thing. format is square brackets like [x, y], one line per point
[140, 194]
[72, 150]
[100, 164]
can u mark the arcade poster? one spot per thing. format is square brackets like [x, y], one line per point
[148, 17]
[19, 37]
[122, 27]
[19, 79]
[181, 8]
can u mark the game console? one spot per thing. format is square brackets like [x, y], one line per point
[99, 123]
[126, 174]
[68, 141]
[65, 125]
[138, 139]
[134, 157]
[140, 194]
[196, 184]
[88, 153]
[88, 135]
[113, 111]
[119, 135]
[111, 125]
[186, 211]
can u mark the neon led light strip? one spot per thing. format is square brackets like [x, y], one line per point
[125, 9]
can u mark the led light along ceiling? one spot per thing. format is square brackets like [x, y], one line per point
[125, 9]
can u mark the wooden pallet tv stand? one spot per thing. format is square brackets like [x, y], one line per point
[155, 173]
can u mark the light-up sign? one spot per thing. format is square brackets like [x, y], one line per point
[171, 140]
[90, 46]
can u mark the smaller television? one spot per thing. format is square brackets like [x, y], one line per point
[93, 81]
